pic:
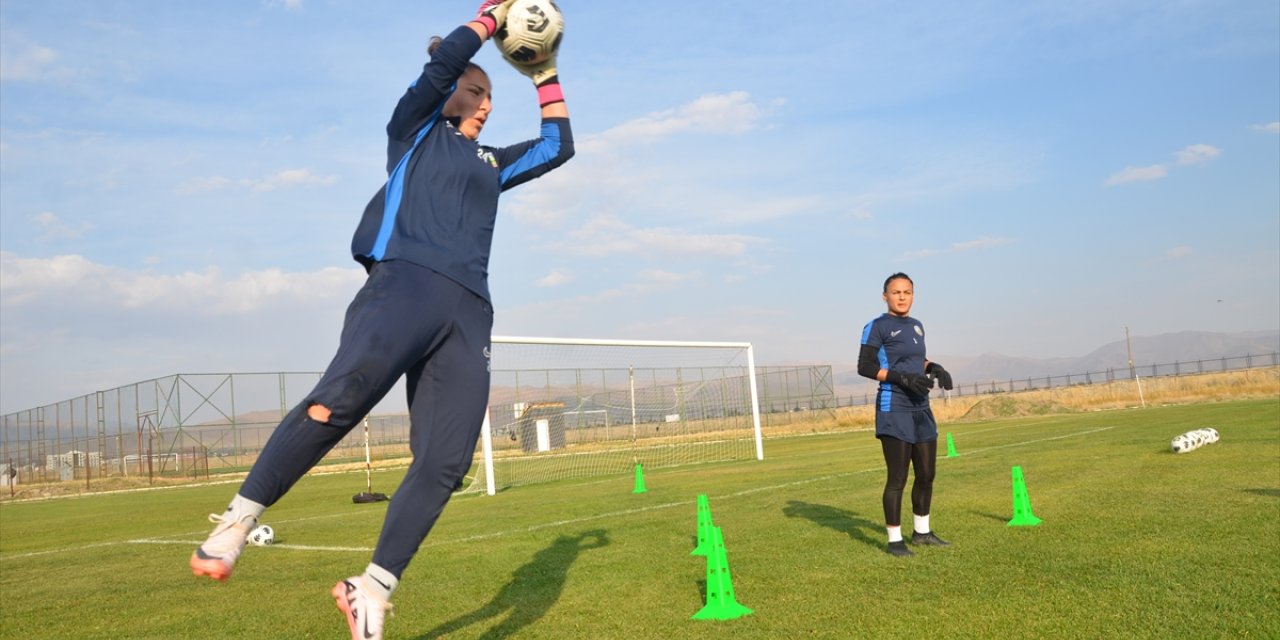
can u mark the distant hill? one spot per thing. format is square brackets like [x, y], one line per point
[1184, 346]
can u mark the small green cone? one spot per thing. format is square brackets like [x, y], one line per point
[704, 527]
[951, 447]
[639, 479]
[721, 603]
[1022, 516]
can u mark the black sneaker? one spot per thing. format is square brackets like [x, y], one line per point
[928, 539]
[899, 549]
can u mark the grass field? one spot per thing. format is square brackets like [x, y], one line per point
[1136, 543]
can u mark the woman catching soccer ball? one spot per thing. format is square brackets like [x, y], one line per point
[893, 354]
[424, 312]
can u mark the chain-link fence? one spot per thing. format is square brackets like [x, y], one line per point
[1104, 376]
[191, 426]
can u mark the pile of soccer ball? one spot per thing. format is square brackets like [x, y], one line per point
[532, 32]
[262, 535]
[1192, 440]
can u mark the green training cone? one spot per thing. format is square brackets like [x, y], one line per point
[1022, 516]
[704, 527]
[639, 479]
[721, 603]
[951, 447]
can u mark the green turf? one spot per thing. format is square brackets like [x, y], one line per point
[1136, 542]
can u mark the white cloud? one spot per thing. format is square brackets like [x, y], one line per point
[649, 281]
[1192, 155]
[980, 244]
[1137, 174]
[280, 180]
[610, 176]
[56, 229]
[555, 278]
[72, 325]
[76, 282]
[291, 5]
[1197, 154]
[289, 178]
[1270, 127]
[28, 62]
[727, 113]
[606, 235]
[202, 185]
[663, 277]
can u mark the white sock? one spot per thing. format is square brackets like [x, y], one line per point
[895, 533]
[380, 582]
[240, 507]
[922, 523]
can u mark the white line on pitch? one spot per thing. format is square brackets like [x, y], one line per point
[278, 545]
[558, 523]
[1027, 442]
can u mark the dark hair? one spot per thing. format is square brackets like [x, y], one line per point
[435, 44]
[895, 277]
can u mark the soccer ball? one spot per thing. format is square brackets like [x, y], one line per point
[1192, 440]
[262, 535]
[531, 33]
[1184, 443]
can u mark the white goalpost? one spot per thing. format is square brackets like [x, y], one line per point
[563, 408]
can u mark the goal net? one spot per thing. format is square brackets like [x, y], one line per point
[562, 408]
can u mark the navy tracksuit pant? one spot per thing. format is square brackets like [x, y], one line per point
[406, 320]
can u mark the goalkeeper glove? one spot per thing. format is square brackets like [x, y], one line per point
[943, 377]
[545, 78]
[493, 14]
[914, 383]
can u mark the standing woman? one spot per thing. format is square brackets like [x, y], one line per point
[424, 312]
[893, 353]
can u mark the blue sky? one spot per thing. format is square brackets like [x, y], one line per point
[179, 180]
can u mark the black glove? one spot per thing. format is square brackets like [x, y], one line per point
[914, 383]
[943, 377]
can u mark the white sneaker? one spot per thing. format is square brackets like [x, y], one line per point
[216, 557]
[364, 611]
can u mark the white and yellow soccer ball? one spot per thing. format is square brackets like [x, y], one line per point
[262, 535]
[532, 32]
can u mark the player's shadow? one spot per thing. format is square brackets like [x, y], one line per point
[842, 520]
[1266, 493]
[533, 589]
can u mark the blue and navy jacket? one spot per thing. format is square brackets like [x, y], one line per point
[893, 343]
[438, 206]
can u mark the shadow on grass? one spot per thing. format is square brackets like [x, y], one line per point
[992, 516]
[533, 589]
[842, 520]
[1266, 493]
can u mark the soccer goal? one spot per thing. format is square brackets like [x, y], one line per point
[563, 408]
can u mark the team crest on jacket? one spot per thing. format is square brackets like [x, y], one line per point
[919, 331]
[487, 156]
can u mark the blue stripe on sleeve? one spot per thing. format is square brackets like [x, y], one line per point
[541, 153]
[886, 389]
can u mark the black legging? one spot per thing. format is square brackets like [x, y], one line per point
[897, 455]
